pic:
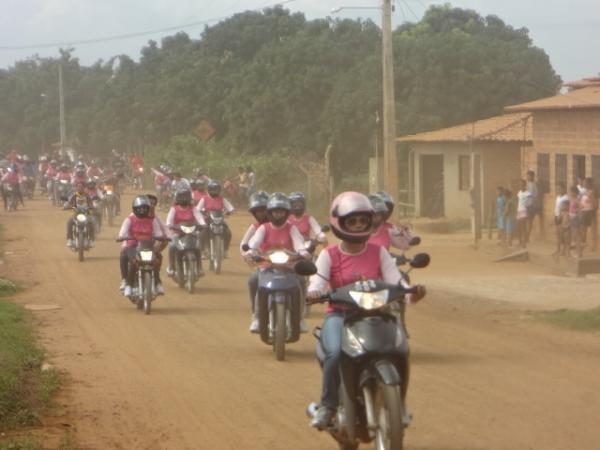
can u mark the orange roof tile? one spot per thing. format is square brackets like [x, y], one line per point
[587, 97]
[505, 128]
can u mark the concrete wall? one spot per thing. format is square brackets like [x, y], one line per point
[500, 165]
[570, 132]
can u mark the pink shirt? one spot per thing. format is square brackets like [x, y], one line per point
[381, 237]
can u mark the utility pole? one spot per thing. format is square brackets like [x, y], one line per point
[390, 159]
[63, 128]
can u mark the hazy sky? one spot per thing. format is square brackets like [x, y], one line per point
[565, 29]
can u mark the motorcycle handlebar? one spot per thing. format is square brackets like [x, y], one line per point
[404, 290]
[154, 238]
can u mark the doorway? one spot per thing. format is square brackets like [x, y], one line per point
[432, 185]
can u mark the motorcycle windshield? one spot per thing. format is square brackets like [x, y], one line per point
[145, 246]
[216, 216]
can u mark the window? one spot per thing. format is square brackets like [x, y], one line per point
[543, 172]
[560, 169]
[578, 167]
[596, 170]
[464, 173]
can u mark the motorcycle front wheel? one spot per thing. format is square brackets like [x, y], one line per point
[389, 410]
[280, 334]
[191, 274]
[80, 249]
[147, 289]
[218, 254]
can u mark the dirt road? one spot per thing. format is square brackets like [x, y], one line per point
[190, 376]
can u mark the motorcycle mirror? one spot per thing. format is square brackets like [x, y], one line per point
[305, 268]
[414, 241]
[245, 247]
[420, 260]
[325, 229]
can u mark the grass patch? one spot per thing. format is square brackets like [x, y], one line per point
[588, 320]
[8, 287]
[25, 443]
[25, 390]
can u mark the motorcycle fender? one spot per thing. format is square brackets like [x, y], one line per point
[273, 280]
[376, 334]
[384, 370]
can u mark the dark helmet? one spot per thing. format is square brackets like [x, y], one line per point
[258, 200]
[379, 206]
[278, 200]
[141, 206]
[198, 184]
[389, 202]
[349, 204]
[183, 197]
[214, 188]
[91, 183]
[64, 168]
[298, 203]
[80, 172]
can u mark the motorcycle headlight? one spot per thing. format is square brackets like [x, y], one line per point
[370, 300]
[81, 218]
[279, 257]
[141, 170]
[146, 255]
[63, 181]
[188, 230]
[108, 192]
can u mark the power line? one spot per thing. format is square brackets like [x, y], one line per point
[131, 35]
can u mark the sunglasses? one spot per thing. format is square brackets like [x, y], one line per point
[356, 221]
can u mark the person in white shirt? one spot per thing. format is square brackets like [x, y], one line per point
[523, 203]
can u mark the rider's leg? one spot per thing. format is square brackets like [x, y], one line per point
[226, 236]
[252, 288]
[172, 255]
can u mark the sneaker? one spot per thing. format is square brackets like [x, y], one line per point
[123, 284]
[128, 291]
[170, 272]
[159, 289]
[322, 418]
[254, 328]
[303, 326]
[70, 243]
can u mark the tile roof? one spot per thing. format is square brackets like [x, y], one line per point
[505, 128]
[586, 82]
[583, 98]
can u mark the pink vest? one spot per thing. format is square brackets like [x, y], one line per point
[277, 238]
[140, 229]
[346, 269]
[382, 236]
[183, 215]
[51, 172]
[63, 176]
[213, 203]
[302, 224]
[197, 196]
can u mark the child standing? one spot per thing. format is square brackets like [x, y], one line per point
[574, 215]
[500, 207]
[563, 230]
[523, 203]
[509, 214]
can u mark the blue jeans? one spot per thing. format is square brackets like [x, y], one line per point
[331, 341]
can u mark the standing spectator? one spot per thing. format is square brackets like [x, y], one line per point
[589, 205]
[523, 206]
[563, 230]
[575, 219]
[561, 196]
[535, 206]
[242, 181]
[510, 212]
[251, 181]
[500, 205]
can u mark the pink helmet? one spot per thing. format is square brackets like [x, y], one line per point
[344, 205]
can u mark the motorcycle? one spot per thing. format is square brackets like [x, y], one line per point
[137, 180]
[62, 191]
[145, 263]
[10, 195]
[373, 365]
[98, 208]
[81, 230]
[109, 204]
[216, 249]
[187, 266]
[28, 186]
[311, 246]
[279, 300]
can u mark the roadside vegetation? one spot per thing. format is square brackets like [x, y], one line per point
[26, 387]
[588, 320]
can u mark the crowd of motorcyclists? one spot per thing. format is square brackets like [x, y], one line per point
[281, 238]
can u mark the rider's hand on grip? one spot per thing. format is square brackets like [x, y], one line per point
[418, 294]
[313, 297]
